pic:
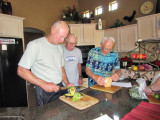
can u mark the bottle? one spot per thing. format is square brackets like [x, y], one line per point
[99, 24]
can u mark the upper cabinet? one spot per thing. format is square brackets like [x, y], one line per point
[114, 32]
[125, 37]
[99, 34]
[149, 27]
[84, 32]
[11, 26]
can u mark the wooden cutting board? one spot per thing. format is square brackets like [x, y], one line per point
[85, 102]
[111, 89]
[151, 99]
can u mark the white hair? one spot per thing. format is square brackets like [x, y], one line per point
[71, 35]
[108, 38]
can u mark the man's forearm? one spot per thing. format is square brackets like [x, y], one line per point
[156, 85]
[27, 75]
[64, 77]
[80, 69]
[90, 73]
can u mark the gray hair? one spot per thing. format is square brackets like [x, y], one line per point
[71, 35]
[108, 38]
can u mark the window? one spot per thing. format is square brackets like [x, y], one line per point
[98, 10]
[86, 14]
[113, 5]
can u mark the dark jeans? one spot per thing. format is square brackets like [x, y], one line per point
[43, 97]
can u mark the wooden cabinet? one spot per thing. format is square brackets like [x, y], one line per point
[85, 83]
[128, 37]
[11, 26]
[114, 32]
[125, 37]
[99, 34]
[149, 27]
[84, 32]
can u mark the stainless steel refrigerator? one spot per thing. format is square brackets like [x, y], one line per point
[12, 87]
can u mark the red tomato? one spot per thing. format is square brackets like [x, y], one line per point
[144, 56]
[139, 56]
[134, 56]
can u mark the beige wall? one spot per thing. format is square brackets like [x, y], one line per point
[125, 8]
[40, 14]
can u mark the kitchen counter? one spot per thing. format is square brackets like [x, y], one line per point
[114, 105]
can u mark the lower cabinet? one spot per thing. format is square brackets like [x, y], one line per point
[85, 83]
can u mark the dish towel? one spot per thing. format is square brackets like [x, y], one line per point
[144, 111]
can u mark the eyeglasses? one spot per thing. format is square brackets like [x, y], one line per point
[71, 43]
[106, 49]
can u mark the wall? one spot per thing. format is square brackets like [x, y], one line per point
[40, 14]
[125, 8]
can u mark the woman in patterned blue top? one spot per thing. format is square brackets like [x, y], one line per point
[101, 63]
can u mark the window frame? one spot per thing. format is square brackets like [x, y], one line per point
[85, 13]
[111, 4]
[96, 10]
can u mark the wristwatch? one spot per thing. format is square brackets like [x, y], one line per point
[151, 89]
[81, 76]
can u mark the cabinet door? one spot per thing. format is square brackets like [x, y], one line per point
[128, 37]
[78, 31]
[99, 34]
[147, 28]
[11, 27]
[158, 27]
[88, 32]
[113, 33]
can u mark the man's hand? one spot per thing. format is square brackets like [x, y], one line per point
[115, 77]
[99, 79]
[80, 81]
[50, 87]
[148, 91]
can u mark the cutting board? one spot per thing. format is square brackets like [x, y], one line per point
[151, 99]
[85, 102]
[111, 89]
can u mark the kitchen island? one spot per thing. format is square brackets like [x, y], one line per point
[114, 105]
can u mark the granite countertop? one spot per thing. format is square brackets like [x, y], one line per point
[114, 105]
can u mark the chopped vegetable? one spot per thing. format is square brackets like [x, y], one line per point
[72, 90]
[76, 96]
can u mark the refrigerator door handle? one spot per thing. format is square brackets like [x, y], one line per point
[1, 84]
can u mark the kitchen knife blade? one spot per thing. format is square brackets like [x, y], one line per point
[64, 88]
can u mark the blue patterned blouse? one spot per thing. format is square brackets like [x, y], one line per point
[100, 64]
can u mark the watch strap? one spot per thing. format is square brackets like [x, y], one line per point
[151, 89]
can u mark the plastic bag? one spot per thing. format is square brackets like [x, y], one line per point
[137, 92]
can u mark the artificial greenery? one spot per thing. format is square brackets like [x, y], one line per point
[72, 14]
[117, 24]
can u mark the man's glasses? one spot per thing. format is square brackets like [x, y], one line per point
[71, 43]
[106, 49]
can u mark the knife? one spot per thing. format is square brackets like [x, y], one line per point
[64, 88]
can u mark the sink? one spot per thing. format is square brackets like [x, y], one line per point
[11, 118]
